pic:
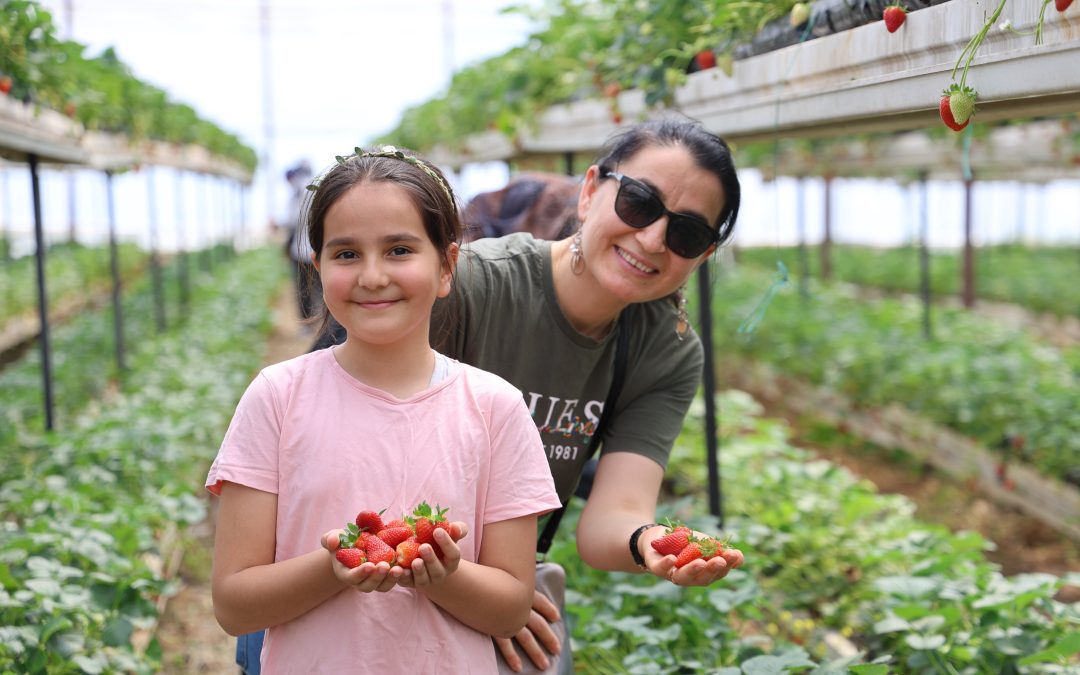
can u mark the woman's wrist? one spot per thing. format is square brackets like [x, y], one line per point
[635, 546]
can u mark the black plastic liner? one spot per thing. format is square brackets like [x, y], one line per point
[826, 18]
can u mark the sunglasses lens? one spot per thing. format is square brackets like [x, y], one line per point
[689, 237]
[637, 206]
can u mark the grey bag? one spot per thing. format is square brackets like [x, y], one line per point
[551, 581]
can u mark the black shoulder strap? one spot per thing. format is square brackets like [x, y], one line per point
[622, 352]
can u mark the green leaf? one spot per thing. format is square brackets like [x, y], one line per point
[1061, 651]
[925, 642]
[869, 669]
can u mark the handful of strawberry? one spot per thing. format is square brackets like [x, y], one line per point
[679, 541]
[396, 542]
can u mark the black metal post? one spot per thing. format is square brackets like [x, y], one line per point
[712, 456]
[968, 274]
[155, 253]
[206, 255]
[568, 163]
[43, 298]
[114, 266]
[924, 255]
[181, 246]
[800, 219]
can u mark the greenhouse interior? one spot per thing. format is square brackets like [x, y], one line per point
[877, 456]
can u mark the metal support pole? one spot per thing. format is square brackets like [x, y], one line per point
[800, 219]
[206, 255]
[43, 298]
[826, 240]
[181, 246]
[155, 253]
[114, 266]
[969, 251]
[924, 255]
[712, 451]
[568, 163]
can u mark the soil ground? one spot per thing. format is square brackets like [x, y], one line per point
[192, 641]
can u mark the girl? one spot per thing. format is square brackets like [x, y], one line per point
[380, 421]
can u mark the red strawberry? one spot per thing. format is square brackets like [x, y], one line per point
[394, 535]
[674, 541]
[5, 84]
[894, 16]
[945, 112]
[370, 521]
[690, 553]
[425, 519]
[711, 548]
[705, 60]
[396, 522]
[350, 557]
[1062, 5]
[407, 551]
[379, 551]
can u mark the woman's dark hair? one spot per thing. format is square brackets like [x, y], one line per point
[709, 151]
[425, 184]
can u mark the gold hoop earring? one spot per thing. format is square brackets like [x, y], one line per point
[577, 258]
[682, 319]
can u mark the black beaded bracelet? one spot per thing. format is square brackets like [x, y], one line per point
[634, 552]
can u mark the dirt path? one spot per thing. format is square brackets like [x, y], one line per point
[191, 639]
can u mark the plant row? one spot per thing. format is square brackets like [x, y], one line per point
[71, 271]
[1041, 279]
[84, 510]
[826, 555]
[82, 350]
[974, 376]
[39, 67]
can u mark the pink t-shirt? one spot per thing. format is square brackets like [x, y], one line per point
[329, 446]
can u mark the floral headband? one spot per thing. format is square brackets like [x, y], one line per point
[392, 153]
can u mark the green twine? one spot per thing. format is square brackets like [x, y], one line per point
[750, 323]
[965, 155]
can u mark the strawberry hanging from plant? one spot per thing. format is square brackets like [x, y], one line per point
[1062, 5]
[957, 105]
[894, 17]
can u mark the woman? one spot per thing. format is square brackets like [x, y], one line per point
[544, 315]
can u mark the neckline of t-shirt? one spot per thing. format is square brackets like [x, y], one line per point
[453, 371]
[552, 301]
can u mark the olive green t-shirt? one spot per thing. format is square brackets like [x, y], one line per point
[503, 317]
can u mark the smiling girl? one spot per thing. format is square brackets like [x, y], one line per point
[380, 421]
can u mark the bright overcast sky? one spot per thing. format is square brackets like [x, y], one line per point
[342, 71]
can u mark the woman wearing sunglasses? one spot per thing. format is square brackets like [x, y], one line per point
[546, 316]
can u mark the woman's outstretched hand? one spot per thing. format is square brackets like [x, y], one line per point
[537, 639]
[694, 573]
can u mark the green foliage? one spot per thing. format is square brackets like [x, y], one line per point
[975, 376]
[578, 50]
[100, 92]
[1040, 279]
[71, 270]
[83, 509]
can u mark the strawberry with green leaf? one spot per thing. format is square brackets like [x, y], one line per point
[956, 106]
[675, 539]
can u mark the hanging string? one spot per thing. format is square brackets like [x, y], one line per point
[750, 323]
[965, 155]
[757, 314]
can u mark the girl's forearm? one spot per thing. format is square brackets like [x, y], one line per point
[266, 595]
[484, 598]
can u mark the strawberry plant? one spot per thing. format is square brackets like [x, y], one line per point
[85, 509]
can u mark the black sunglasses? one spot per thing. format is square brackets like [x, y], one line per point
[638, 206]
